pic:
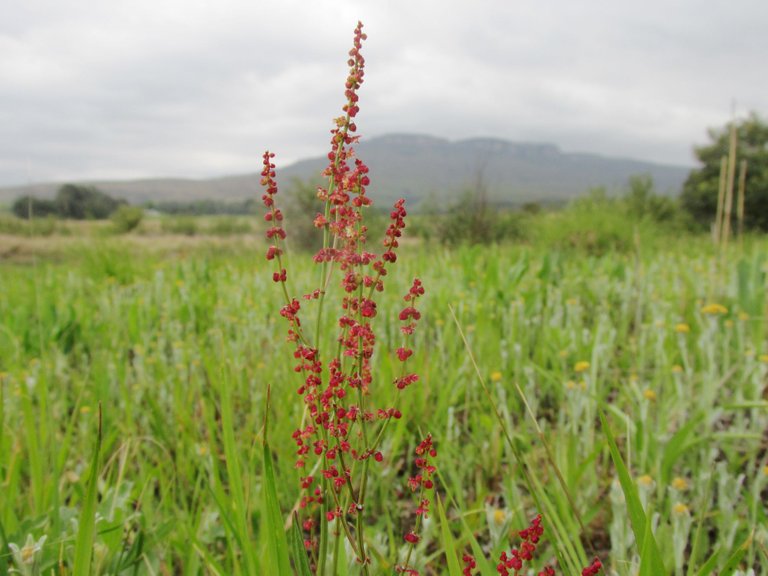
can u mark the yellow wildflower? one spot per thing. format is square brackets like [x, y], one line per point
[680, 483]
[677, 369]
[85, 409]
[496, 376]
[680, 509]
[763, 358]
[714, 309]
[682, 328]
[645, 481]
[571, 385]
[743, 316]
[581, 366]
[649, 394]
[499, 516]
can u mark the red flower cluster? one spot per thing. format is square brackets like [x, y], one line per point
[514, 560]
[422, 481]
[469, 564]
[275, 233]
[593, 568]
[513, 563]
[424, 451]
[336, 375]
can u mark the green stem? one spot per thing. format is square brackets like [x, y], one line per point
[323, 548]
[415, 530]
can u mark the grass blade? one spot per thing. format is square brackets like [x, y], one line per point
[696, 544]
[277, 543]
[649, 549]
[677, 445]
[297, 547]
[235, 478]
[733, 562]
[710, 565]
[86, 529]
[647, 559]
[449, 546]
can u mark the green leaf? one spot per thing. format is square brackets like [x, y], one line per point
[696, 543]
[485, 567]
[677, 445]
[277, 542]
[733, 562]
[648, 556]
[239, 504]
[86, 528]
[710, 565]
[449, 545]
[649, 549]
[297, 547]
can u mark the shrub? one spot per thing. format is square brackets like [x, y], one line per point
[126, 218]
[228, 226]
[184, 225]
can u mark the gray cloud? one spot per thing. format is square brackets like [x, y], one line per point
[194, 88]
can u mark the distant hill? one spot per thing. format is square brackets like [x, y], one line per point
[419, 167]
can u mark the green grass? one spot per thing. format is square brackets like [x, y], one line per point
[180, 352]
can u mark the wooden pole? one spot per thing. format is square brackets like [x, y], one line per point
[720, 198]
[729, 190]
[740, 201]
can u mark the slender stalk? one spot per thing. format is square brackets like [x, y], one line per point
[727, 208]
[720, 200]
[740, 200]
[515, 450]
[323, 547]
[411, 545]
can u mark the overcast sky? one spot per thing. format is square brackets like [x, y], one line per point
[126, 89]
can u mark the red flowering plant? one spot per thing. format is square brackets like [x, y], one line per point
[340, 436]
[517, 561]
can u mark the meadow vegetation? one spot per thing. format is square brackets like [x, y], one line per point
[582, 392]
[168, 346]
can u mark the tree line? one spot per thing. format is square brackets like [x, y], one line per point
[745, 142]
[72, 201]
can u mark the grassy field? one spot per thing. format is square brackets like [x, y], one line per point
[178, 347]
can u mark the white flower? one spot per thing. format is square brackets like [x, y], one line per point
[26, 556]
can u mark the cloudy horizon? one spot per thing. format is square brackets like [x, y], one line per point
[194, 89]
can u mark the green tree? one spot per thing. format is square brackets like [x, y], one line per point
[301, 208]
[81, 202]
[31, 207]
[472, 220]
[700, 190]
[642, 201]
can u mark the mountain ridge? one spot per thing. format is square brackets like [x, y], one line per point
[417, 167]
